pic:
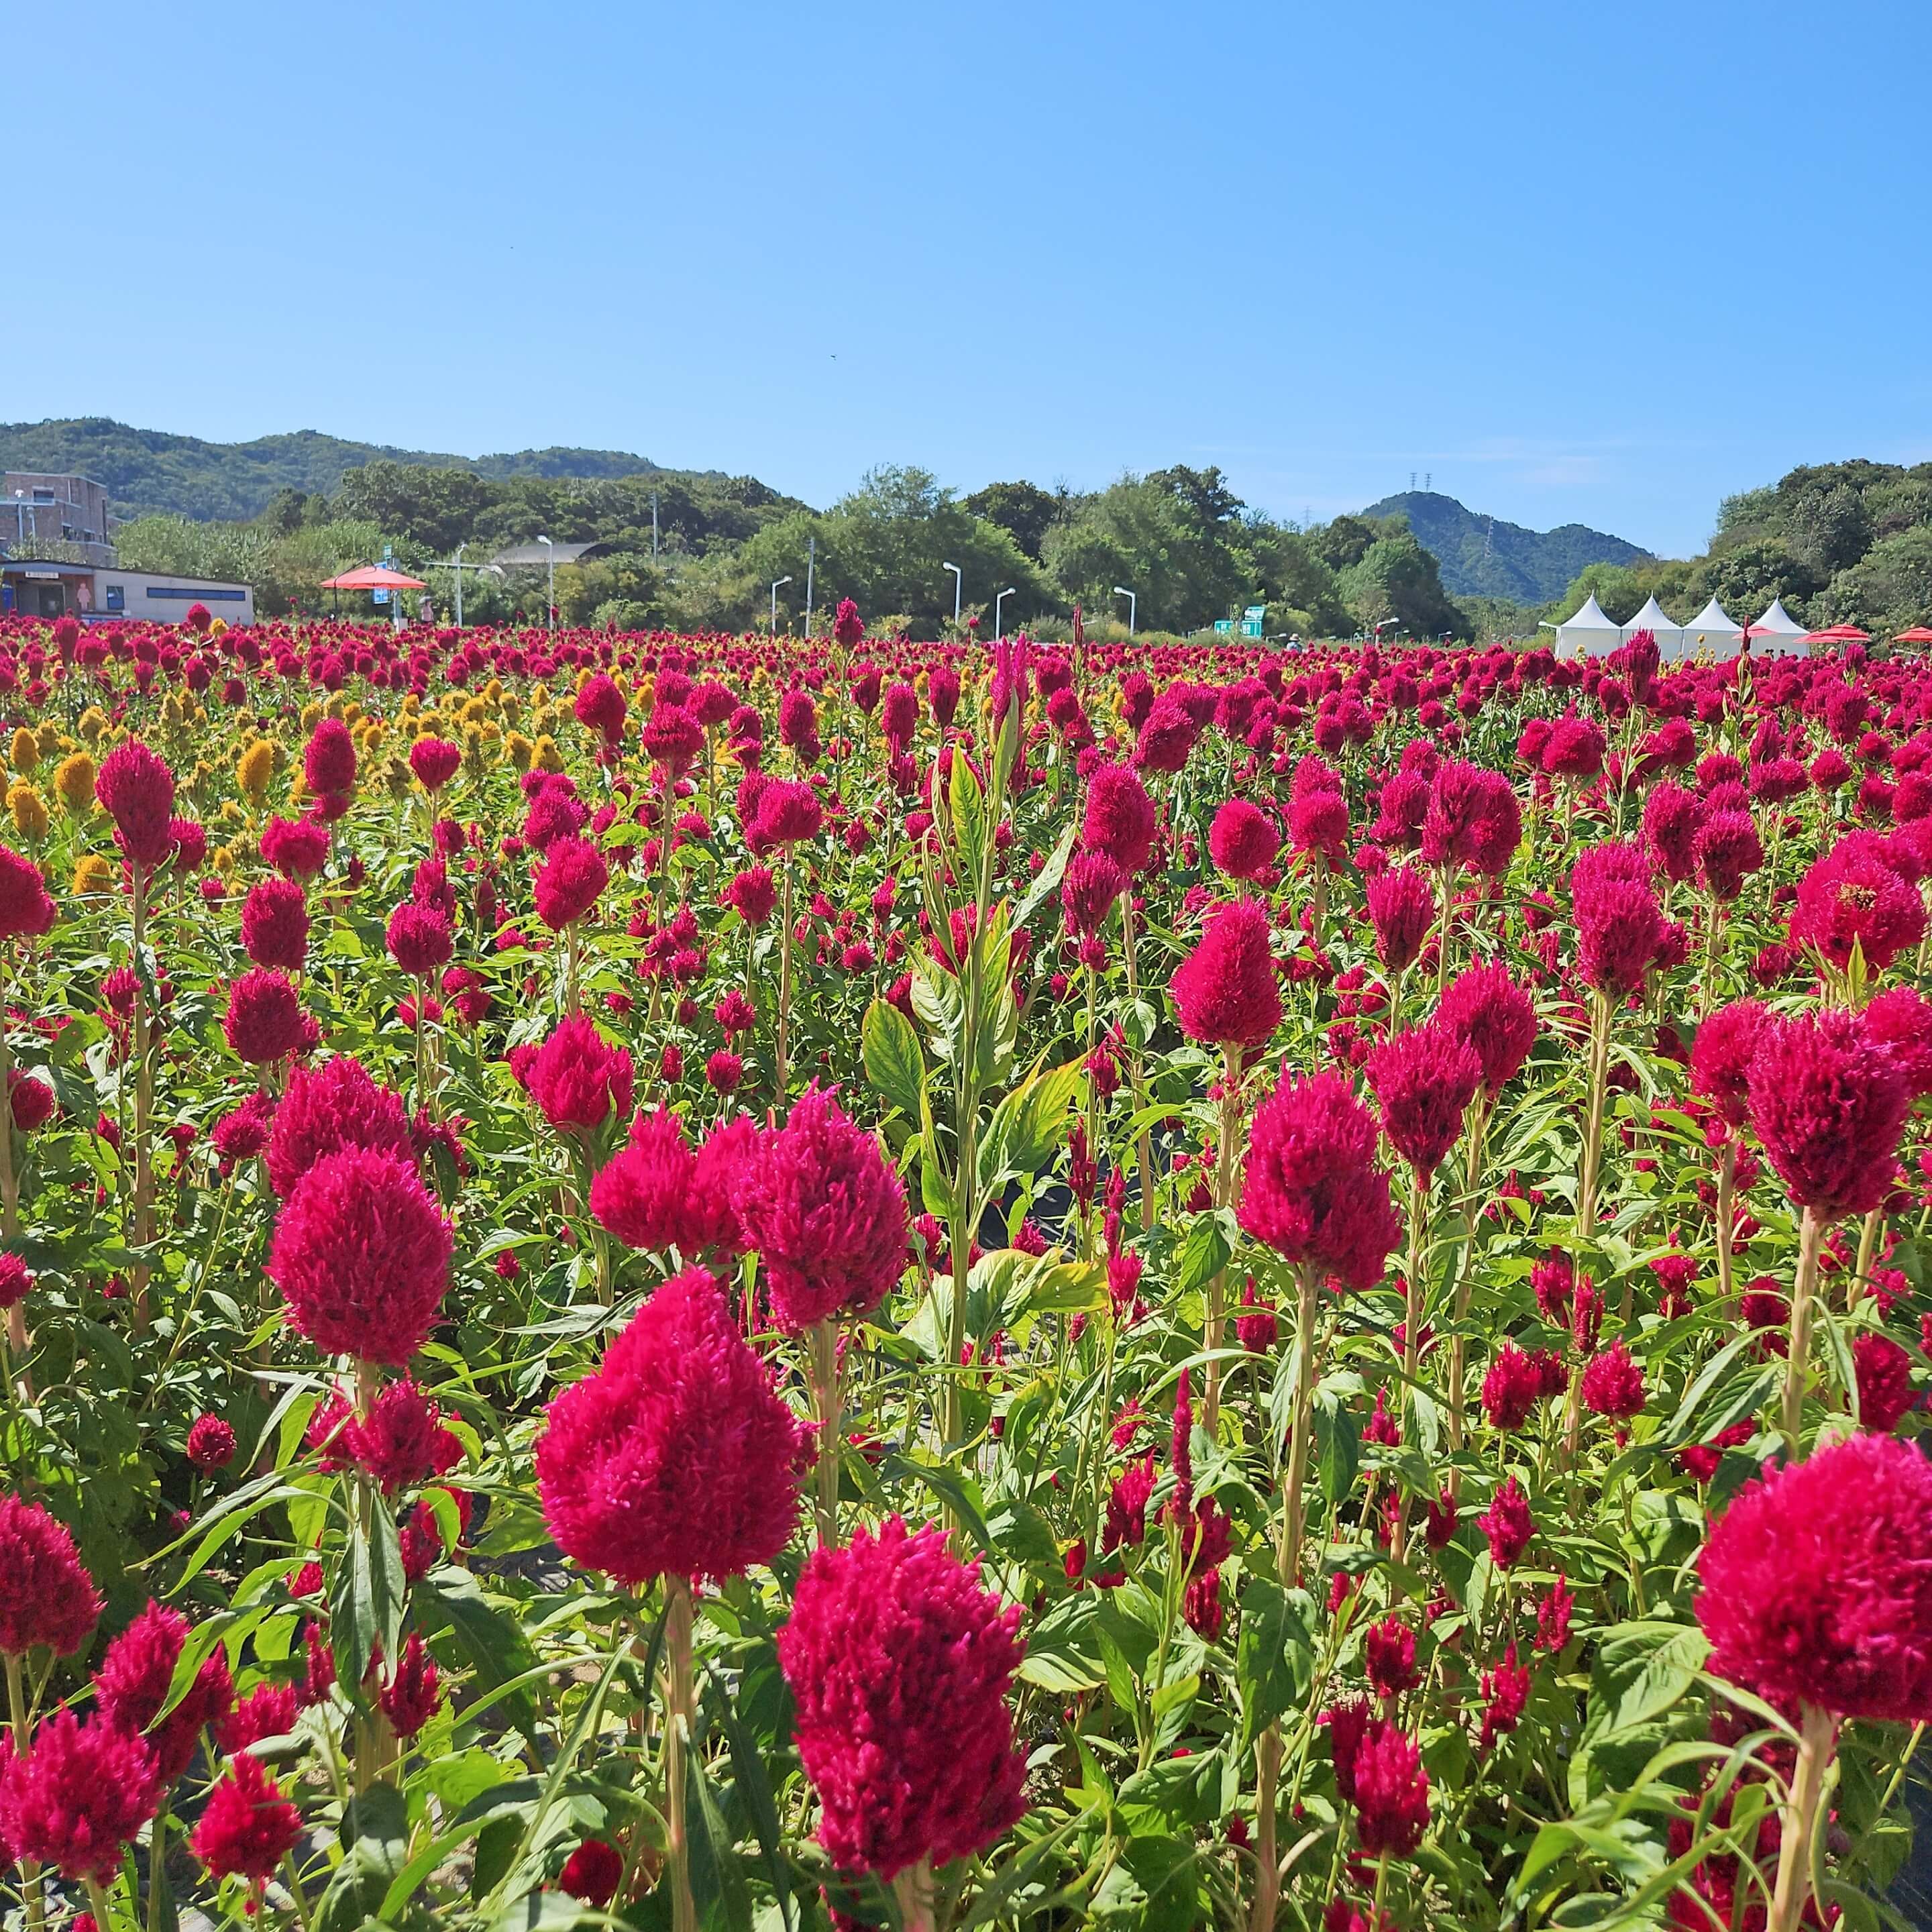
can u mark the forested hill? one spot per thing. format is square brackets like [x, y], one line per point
[1483, 556]
[148, 470]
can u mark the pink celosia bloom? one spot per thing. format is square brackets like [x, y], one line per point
[899, 1663]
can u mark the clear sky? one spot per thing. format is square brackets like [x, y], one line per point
[1575, 262]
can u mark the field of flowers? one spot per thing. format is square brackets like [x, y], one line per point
[658, 1281]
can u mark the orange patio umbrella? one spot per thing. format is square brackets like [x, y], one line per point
[1917, 634]
[373, 576]
[1839, 634]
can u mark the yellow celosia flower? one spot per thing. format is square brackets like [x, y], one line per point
[23, 753]
[92, 874]
[29, 810]
[73, 779]
[254, 768]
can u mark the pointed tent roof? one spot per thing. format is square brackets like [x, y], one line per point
[1777, 632]
[1653, 619]
[1590, 628]
[1714, 620]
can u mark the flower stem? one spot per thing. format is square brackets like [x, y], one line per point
[1810, 1237]
[1817, 1738]
[825, 1399]
[680, 1702]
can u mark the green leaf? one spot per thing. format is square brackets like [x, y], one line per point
[1274, 1659]
[893, 1062]
[1204, 1252]
[375, 1834]
[718, 1884]
[941, 1007]
[1062, 1652]
[1047, 880]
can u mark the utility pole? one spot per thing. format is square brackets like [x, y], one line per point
[811, 560]
[654, 526]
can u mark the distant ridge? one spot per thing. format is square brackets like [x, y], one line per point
[1483, 556]
[149, 469]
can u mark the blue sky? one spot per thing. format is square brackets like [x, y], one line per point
[1576, 262]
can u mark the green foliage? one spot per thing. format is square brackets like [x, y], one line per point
[1397, 579]
[1483, 556]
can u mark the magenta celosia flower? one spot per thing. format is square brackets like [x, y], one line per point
[1817, 1583]
[1384, 1779]
[1120, 817]
[1884, 1373]
[1621, 929]
[788, 812]
[1900, 1020]
[210, 1442]
[298, 849]
[677, 1457]
[1485, 1007]
[274, 925]
[1389, 1657]
[1473, 820]
[820, 1202]
[77, 1797]
[361, 1255]
[137, 1672]
[672, 737]
[419, 939]
[1512, 1387]
[1574, 749]
[577, 1078]
[1092, 884]
[1402, 908]
[711, 1218]
[1827, 1103]
[1425, 1079]
[1855, 895]
[1243, 839]
[1671, 817]
[264, 1021]
[328, 1108]
[136, 789]
[643, 1196]
[247, 1827]
[46, 1597]
[1225, 991]
[414, 1694]
[592, 1873]
[399, 1442]
[1613, 1384]
[1729, 850]
[328, 761]
[600, 707]
[269, 1711]
[1507, 1524]
[1310, 1188]
[434, 761]
[567, 887]
[1720, 1057]
[27, 909]
[899, 1664]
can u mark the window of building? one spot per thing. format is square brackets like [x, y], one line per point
[116, 596]
[44, 496]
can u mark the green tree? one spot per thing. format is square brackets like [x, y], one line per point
[1185, 568]
[1024, 511]
[1396, 578]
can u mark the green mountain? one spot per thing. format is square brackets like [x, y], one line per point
[148, 470]
[1483, 556]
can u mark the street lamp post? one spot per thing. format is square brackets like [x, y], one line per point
[811, 562]
[1133, 604]
[996, 602]
[958, 581]
[459, 549]
[775, 603]
[550, 606]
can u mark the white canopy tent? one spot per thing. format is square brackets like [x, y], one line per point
[1669, 637]
[1590, 633]
[1712, 633]
[1783, 635]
